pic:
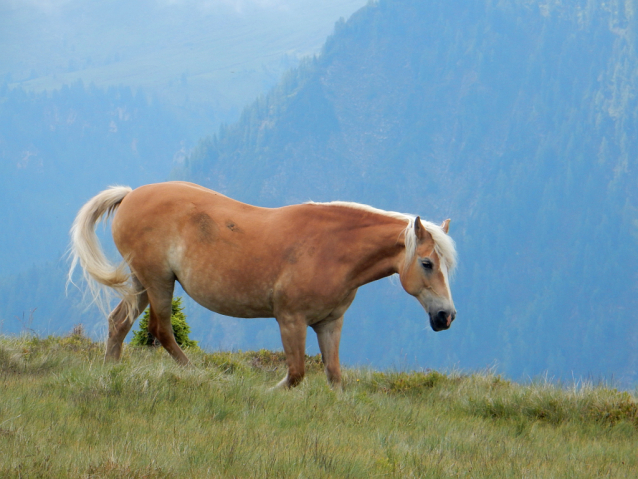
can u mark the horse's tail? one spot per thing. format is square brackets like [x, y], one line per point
[85, 248]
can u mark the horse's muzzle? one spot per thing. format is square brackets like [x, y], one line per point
[442, 320]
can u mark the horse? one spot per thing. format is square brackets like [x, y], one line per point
[301, 264]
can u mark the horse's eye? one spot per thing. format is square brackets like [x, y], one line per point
[427, 264]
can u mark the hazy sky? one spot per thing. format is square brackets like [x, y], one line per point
[239, 6]
[156, 44]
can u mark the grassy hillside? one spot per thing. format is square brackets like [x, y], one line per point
[65, 414]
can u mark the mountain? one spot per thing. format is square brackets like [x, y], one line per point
[205, 58]
[113, 92]
[57, 150]
[518, 120]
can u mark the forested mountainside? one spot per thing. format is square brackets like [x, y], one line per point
[115, 92]
[517, 119]
[57, 150]
[205, 58]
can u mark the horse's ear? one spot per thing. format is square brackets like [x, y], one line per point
[445, 226]
[418, 227]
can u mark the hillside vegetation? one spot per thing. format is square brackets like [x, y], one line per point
[518, 120]
[65, 414]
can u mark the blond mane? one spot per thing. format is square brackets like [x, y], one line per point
[443, 244]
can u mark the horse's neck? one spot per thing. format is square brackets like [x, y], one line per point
[380, 253]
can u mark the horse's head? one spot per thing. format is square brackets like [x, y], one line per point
[430, 258]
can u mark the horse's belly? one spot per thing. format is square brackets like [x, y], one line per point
[257, 304]
[237, 310]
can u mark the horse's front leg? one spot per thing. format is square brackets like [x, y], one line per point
[328, 337]
[293, 337]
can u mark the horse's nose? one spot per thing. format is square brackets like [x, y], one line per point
[445, 318]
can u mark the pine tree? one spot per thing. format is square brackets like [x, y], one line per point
[181, 329]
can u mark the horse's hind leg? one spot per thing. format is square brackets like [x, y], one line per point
[159, 324]
[120, 322]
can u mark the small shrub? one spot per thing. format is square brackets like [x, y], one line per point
[181, 329]
[314, 363]
[226, 362]
[408, 382]
[78, 330]
[617, 407]
[8, 361]
[266, 360]
[76, 340]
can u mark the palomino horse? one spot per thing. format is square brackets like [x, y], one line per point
[301, 264]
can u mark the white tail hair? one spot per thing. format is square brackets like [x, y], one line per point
[85, 248]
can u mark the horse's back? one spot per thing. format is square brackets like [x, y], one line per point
[207, 241]
[169, 197]
[164, 214]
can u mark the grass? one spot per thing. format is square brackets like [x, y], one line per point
[64, 413]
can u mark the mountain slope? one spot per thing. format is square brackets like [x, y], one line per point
[59, 149]
[516, 119]
[208, 57]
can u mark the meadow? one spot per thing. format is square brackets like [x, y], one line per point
[64, 413]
